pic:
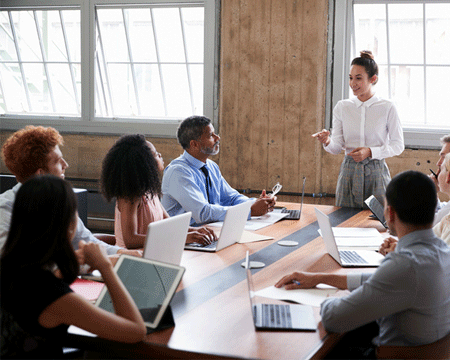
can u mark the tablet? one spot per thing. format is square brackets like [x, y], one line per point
[150, 283]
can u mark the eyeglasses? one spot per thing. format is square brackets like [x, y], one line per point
[277, 187]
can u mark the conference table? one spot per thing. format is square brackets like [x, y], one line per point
[212, 309]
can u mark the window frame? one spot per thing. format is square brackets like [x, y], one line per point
[88, 123]
[339, 52]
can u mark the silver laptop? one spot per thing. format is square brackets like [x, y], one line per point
[150, 283]
[295, 214]
[279, 316]
[166, 238]
[231, 231]
[377, 209]
[346, 258]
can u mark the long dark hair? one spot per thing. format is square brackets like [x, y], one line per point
[130, 170]
[44, 209]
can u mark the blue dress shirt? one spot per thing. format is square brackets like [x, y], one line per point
[408, 295]
[184, 189]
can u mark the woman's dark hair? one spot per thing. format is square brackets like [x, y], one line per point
[412, 194]
[367, 60]
[44, 209]
[130, 170]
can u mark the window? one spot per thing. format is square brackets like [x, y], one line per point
[107, 66]
[411, 44]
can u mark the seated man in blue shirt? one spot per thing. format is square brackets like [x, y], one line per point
[409, 294]
[184, 184]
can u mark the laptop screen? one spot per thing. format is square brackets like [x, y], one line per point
[150, 283]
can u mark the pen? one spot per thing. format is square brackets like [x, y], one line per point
[433, 173]
[296, 282]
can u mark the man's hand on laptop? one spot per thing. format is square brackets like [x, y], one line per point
[201, 235]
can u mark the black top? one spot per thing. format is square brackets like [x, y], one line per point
[24, 300]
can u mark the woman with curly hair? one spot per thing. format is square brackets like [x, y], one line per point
[130, 174]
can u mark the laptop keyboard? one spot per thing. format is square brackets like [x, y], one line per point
[209, 246]
[295, 214]
[351, 257]
[274, 315]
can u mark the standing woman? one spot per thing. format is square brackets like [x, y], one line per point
[37, 303]
[368, 129]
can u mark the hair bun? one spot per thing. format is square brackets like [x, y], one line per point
[367, 54]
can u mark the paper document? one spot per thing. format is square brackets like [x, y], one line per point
[257, 222]
[248, 237]
[357, 237]
[312, 297]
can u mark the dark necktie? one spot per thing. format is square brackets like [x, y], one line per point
[207, 181]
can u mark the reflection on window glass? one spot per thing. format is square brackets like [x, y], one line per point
[149, 62]
[411, 44]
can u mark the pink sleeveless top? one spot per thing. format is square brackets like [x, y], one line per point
[149, 210]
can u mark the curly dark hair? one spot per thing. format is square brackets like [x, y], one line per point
[130, 170]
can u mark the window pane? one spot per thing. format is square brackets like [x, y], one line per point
[406, 33]
[438, 33]
[112, 32]
[149, 89]
[177, 90]
[62, 88]
[122, 90]
[193, 30]
[141, 35]
[72, 23]
[156, 81]
[438, 96]
[37, 85]
[407, 91]
[168, 35]
[6, 39]
[49, 84]
[26, 33]
[14, 97]
[370, 31]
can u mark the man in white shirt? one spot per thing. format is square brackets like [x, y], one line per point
[408, 295]
[33, 151]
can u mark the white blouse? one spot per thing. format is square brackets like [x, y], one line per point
[373, 123]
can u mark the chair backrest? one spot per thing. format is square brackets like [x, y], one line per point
[438, 350]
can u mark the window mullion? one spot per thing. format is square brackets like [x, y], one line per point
[161, 80]
[130, 57]
[19, 59]
[186, 59]
[69, 59]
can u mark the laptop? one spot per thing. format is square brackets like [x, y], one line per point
[377, 209]
[345, 258]
[295, 214]
[166, 238]
[279, 316]
[231, 231]
[150, 283]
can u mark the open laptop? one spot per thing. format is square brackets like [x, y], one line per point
[231, 231]
[295, 214]
[279, 316]
[346, 258]
[150, 283]
[377, 209]
[166, 238]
